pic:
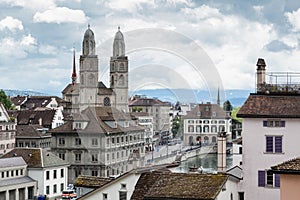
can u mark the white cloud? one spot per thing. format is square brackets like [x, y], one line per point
[11, 47]
[11, 23]
[60, 15]
[200, 13]
[130, 6]
[294, 19]
[48, 49]
[31, 4]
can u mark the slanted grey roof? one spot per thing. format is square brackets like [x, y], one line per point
[235, 171]
[36, 157]
[16, 181]
[12, 162]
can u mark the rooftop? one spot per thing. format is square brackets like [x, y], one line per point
[91, 181]
[288, 167]
[271, 106]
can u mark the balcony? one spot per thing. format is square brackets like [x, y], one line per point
[280, 83]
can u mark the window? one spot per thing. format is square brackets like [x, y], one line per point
[94, 141]
[62, 187]
[61, 141]
[241, 195]
[7, 173]
[273, 123]
[47, 189]
[122, 195]
[77, 157]
[47, 175]
[21, 172]
[273, 144]
[61, 156]
[2, 175]
[77, 141]
[104, 195]
[267, 178]
[240, 150]
[12, 173]
[94, 157]
[77, 172]
[94, 173]
[54, 174]
[54, 189]
[106, 101]
[62, 174]
[122, 67]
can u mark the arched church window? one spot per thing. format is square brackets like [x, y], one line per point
[106, 101]
[121, 80]
[122, 67]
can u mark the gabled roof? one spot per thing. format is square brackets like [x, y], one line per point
[178, 186]
[31, 131]
[34, 102]
[236, 172]
[26, 117]
[207, 111]
[36, 157]
[96, 119]
[18, 100]
[288, 167]
[271, 106]
[12, 162]
[91, 181]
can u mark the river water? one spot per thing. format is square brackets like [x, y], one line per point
[207, 162]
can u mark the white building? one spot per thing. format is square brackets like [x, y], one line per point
[147, 122]
[7, 131]
[14, 181]
[204, 122]
[49, 171]
[271, 123]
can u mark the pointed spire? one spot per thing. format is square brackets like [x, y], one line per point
[118, 28]
[74, 75]
[218, 98]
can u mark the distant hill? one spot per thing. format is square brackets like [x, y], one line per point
[13, 93]
[236, 97]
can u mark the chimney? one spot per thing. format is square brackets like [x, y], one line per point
[221, 152]
[260, 74]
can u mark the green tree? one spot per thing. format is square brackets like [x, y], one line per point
[227, 106]
[5, 100]
[177, 126]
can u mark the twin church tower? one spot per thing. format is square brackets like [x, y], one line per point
[90, 92]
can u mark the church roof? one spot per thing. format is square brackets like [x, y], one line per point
[71, 89]
[89, 34]
[147, 102]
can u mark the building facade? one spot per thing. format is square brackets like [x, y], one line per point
[203, 123]
[8, 128]
[50, 172]
[156, 108]
[15, 182]
[270, 134]
[99, 142]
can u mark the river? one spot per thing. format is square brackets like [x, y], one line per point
[208, 163]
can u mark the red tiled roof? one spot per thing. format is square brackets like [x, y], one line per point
[272, 106]
[291, 166]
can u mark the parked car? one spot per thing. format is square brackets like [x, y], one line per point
[68, 194]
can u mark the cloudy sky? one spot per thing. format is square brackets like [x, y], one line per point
[170, 43]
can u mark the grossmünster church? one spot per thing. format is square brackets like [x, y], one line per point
[90, 92]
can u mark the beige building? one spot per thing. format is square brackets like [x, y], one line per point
[156, 108]
[102, 141]
[289, 172]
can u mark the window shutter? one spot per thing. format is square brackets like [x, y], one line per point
[261, 178]
[278, 144]
[269, 143]
[277, 180]
[282, 123]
